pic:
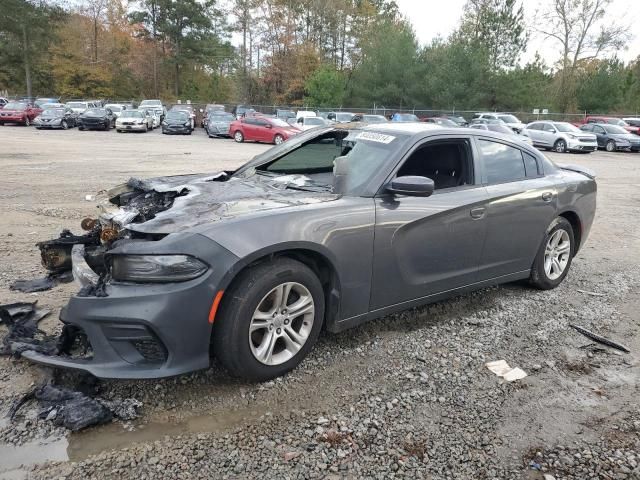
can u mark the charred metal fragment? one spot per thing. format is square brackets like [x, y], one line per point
[41, 284]
[56, 253]
[22, 321]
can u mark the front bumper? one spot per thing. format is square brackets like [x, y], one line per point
[93, 125]
[49, 125]
[12, 118]
[578, 146]
[177, 129]
[132, 128]
[147, 330]
[218, 130]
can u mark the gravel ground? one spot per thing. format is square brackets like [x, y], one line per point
[404, 396]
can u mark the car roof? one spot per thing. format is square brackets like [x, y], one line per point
[409, 127]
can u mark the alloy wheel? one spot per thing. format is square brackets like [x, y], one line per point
[557, 254]
[278, 139]
[611, 146]
[64, 125]
[282, 323]
[561, 146]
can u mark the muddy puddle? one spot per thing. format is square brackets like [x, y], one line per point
[116, 436]
[13, 458]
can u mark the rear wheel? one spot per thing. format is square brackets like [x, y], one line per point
[611, 146]
[560, 146]
[238, 136]
[269, 320]
[554, 256]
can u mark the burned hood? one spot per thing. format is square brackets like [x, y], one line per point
[166, 205]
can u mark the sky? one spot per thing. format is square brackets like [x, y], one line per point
[433, 18]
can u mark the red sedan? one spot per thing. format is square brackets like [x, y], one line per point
[262, 129]
[19, 112]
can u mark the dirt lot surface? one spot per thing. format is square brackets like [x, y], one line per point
[405, 396]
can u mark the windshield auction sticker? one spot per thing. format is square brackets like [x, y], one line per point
[376, 137]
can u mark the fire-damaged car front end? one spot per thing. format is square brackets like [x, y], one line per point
[147, 285]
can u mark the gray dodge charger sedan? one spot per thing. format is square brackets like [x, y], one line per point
[336, 226]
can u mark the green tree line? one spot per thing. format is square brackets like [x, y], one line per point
[318, 53]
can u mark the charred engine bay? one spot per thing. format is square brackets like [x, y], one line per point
[136, 202]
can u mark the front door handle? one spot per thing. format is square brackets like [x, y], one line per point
[477, 213]
[547, 196]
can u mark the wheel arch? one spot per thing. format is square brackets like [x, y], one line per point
[576, 224]
[314, 256]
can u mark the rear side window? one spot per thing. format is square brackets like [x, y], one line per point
[534, 126]
[502, 163]
[530, 165]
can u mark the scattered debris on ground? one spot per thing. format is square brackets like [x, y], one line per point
[75, 410]
[502, 369]
[41, 284]
[22, 321]
[597, 338]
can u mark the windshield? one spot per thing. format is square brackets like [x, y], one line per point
[15, 106]
[313, 121]
[53, 112]
[617, 121]
[276, 122]
[614, 129]
[47, 106]
[566, 127]
[180, 116]
[131, 114]
[500, 128]
[405, 117]
[114, 108]
[508, 119]
[374, 119]
[344, 117]
[227, 117]
[76, 105]
[311, 166]
[445, 122]
[96, 112]
[150, 103]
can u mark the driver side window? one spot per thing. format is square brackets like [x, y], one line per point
[448, 163]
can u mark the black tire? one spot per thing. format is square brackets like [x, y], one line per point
[231, 328]
[560, 146]
[610, 146]
[80, 127]
[539, 277]
[238, 136]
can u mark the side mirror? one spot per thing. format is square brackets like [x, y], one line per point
[411, 185]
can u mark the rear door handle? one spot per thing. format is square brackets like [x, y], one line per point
[547, 196]
[477, 213]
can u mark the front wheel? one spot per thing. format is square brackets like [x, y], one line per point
[554, 256]
[65, 125]
[238, 136]
[269, 319]
[278, 139]
[560, 146]
[611, 146]
[27, 122]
